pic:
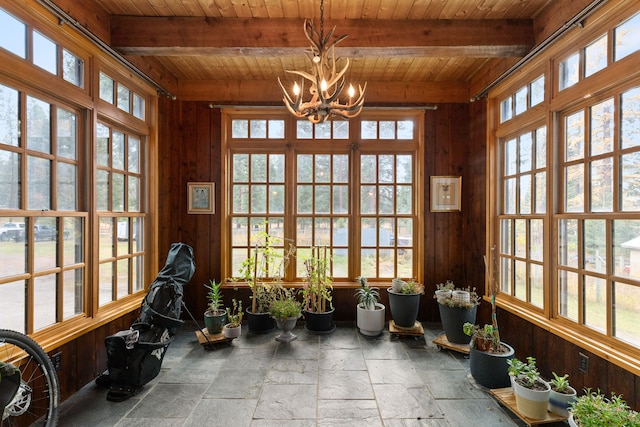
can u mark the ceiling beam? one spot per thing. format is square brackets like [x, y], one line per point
[268, 92]
[171, 36]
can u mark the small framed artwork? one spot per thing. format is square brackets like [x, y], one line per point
[446, 193]
[201, 198]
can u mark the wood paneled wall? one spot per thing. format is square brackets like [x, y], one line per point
[454, 242]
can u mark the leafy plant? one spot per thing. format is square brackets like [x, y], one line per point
[594, 409]
[447, 299]
[262, 271]
[559, 383]
[316, 291]
[367, 296]
[478, 334]
[285, 308]
[235, 314]
[214, 295]
[526, 374]
[409, 287]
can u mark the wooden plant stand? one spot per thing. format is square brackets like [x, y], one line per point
[209, 341]
[416, 331]
[508, 399]
[442, 342]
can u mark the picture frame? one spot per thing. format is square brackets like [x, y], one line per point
[201, 198]
[446, 193]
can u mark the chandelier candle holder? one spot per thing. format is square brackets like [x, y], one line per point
[326, 83]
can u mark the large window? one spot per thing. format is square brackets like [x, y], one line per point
[349, 186]
[72, 185]
[566, 221]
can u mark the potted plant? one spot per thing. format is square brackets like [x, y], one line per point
[286, 311]
[404, 302]
[233, 327]
[370, 314]
[262, 272]
[562, 394]
[316, 292]
[481, 338]
[457, 306]
[216, 316]
[593, 409]
[531, 391]
[488, 365]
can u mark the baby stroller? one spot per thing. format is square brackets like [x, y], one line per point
[134, 356]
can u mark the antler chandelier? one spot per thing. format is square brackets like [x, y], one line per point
[326, 83]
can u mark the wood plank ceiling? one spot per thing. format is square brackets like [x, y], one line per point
[409, 51]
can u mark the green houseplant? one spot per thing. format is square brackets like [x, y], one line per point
[562, 394]
[262, 272]
[457, 306]
[531, 391]
[594, 409]
[370, 314]
[235, 314]
[286, 311]
[404, 302]
[488, 365]
[316, 292]
[215, 317]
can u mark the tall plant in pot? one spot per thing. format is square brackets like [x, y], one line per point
[370, 314]
[233, 328]
[216, 316]
[531, 391]
[404, 302]
[262, 272]
[488, 363]
[457, 306]
[316, 292]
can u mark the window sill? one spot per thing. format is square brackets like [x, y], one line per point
[608, 349]
[58, 335]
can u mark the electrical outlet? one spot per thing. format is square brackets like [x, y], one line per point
[583, 363]
[56, 360]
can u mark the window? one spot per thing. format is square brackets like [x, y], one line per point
[118, 94]
[48, 160]
[118, 194]
[350, 186]
[523, 99]
[567, 208]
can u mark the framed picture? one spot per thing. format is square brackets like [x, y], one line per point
[446, 193]
[201, 198]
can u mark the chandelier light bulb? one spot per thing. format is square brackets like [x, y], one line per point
[323, 85]
[296, 89]
[352, 91]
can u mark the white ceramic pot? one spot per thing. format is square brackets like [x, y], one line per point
[572, 423]
[559, 402]
[442, 293]
[532, 403]
[231, 332]
[370, 322]
[397, 284]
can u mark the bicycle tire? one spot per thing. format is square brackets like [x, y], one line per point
[38, 374]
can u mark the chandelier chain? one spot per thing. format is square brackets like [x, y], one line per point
[321, 19]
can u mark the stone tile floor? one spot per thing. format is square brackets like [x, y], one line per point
[338, 379]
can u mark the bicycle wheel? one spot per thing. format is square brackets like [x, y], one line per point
[36, 401]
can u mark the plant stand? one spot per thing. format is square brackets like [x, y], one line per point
[508, 399]
[416, 331]
[442, 342]
[209, 341]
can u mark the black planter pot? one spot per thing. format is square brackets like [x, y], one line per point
[404, 308]
[319, 322]
[490, 370]
[260, 323]
[452, 320]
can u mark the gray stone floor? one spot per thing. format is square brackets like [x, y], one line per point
[338, 379]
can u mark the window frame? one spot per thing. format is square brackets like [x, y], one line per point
[353, 146]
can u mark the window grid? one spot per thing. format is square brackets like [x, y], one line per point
[323, 189]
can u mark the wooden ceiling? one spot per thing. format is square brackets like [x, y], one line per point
[409, 51]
